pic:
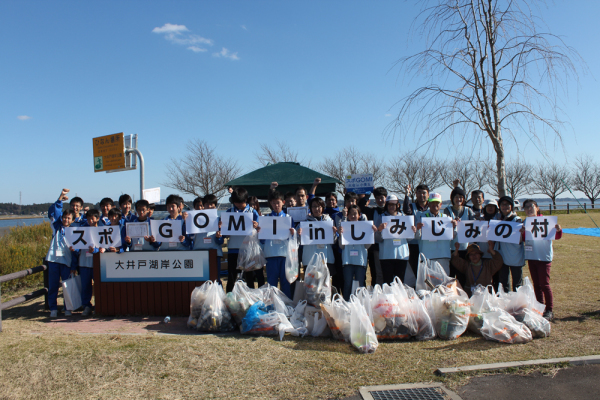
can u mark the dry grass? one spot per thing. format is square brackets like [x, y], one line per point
[38, 362]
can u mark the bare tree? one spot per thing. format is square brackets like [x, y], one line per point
[519, 176]
[463, 169]
[551, 180]
[413, 169]
[201, 171]
[586, 177]
[491, 73]
[279, 153]
[351, 161]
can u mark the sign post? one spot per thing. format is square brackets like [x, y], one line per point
[113, 153]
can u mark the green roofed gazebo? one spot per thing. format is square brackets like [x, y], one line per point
[289, 175]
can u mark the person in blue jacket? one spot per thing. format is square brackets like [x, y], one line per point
[209, 240]
[513, 255]
[434, 250]
[114, 219]
[276, 250]
[125, 203]
[239, 199]
[393, 253]
[460, 212]
[173, 207]
[84, 259]
[106, 204]
[317, 205]
[354, 256]
[76, 205]
[59, 258]
[146, 243]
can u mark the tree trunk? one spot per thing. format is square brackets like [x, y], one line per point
[592, 200]
[500, 168]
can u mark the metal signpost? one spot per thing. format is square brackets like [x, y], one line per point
[116, 152]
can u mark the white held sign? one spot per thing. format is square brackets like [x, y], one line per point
[236, 223]
[79, 238]
[166, 230]
[202, 221]
[398, 227]
[274, 228]
[107, 236]
[540, 228]
[358, 232]
[472, 231]
[504, 231]
[437, 228]
[316, 232]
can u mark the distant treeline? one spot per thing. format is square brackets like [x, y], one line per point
[15, 209]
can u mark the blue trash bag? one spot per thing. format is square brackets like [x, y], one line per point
[259, 321]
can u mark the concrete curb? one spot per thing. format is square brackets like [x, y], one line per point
[515, 364]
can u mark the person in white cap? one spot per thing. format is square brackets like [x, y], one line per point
[438, 250]
[393, 253]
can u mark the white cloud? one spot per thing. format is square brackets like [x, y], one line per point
[23, 117]
[244, 27]
[172, 28]
[196, 49]
[180, 34]
[227, 54]
[388, 115]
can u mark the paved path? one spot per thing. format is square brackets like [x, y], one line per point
[582, 382]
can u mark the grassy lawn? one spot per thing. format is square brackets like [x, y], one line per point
[38, 361]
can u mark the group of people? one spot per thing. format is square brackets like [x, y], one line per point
[387, 258]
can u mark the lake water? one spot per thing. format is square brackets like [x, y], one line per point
[21, 222]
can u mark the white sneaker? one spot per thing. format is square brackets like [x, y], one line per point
[54, 314]
[68, 313]
[86, 312]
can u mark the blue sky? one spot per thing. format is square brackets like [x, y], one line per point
[316, 75]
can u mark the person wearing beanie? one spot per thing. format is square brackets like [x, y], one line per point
[459, 212]
[478, 271]
[513, 254]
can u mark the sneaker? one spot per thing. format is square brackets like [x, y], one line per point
[86, 312]
[54, 314]
[549, 315]
[68, 313]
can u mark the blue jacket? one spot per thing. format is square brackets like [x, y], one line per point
[435, 249]
[235, 242]
[391, 249]
[354, 254]
[146, 246]
[185, 245]
[311, 249]
[512, 254]
[466, 215]
[59, 252]
[212, 242]
[55, 212]
[81, 259]
[275, 248]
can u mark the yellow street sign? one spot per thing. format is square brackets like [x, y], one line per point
[109, 152]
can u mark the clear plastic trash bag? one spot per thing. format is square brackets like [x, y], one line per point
[251, 255]
[500, 326]
[316, 281]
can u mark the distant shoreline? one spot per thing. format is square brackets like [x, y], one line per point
[20, 216]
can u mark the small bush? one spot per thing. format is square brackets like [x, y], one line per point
[24, 247]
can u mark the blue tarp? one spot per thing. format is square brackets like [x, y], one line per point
[583, 231]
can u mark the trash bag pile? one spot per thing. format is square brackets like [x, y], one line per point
[439, 308]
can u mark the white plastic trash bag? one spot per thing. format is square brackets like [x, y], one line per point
[430, 274]
[196, 302]
[500, 326]
[362, 334]
[537, 324]
[72, 293]
[451, 308]
[482, 301]
[337, 315]
[291, 259]
[239, 300]
[214, 316]
[251, 256]
[316, 281]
